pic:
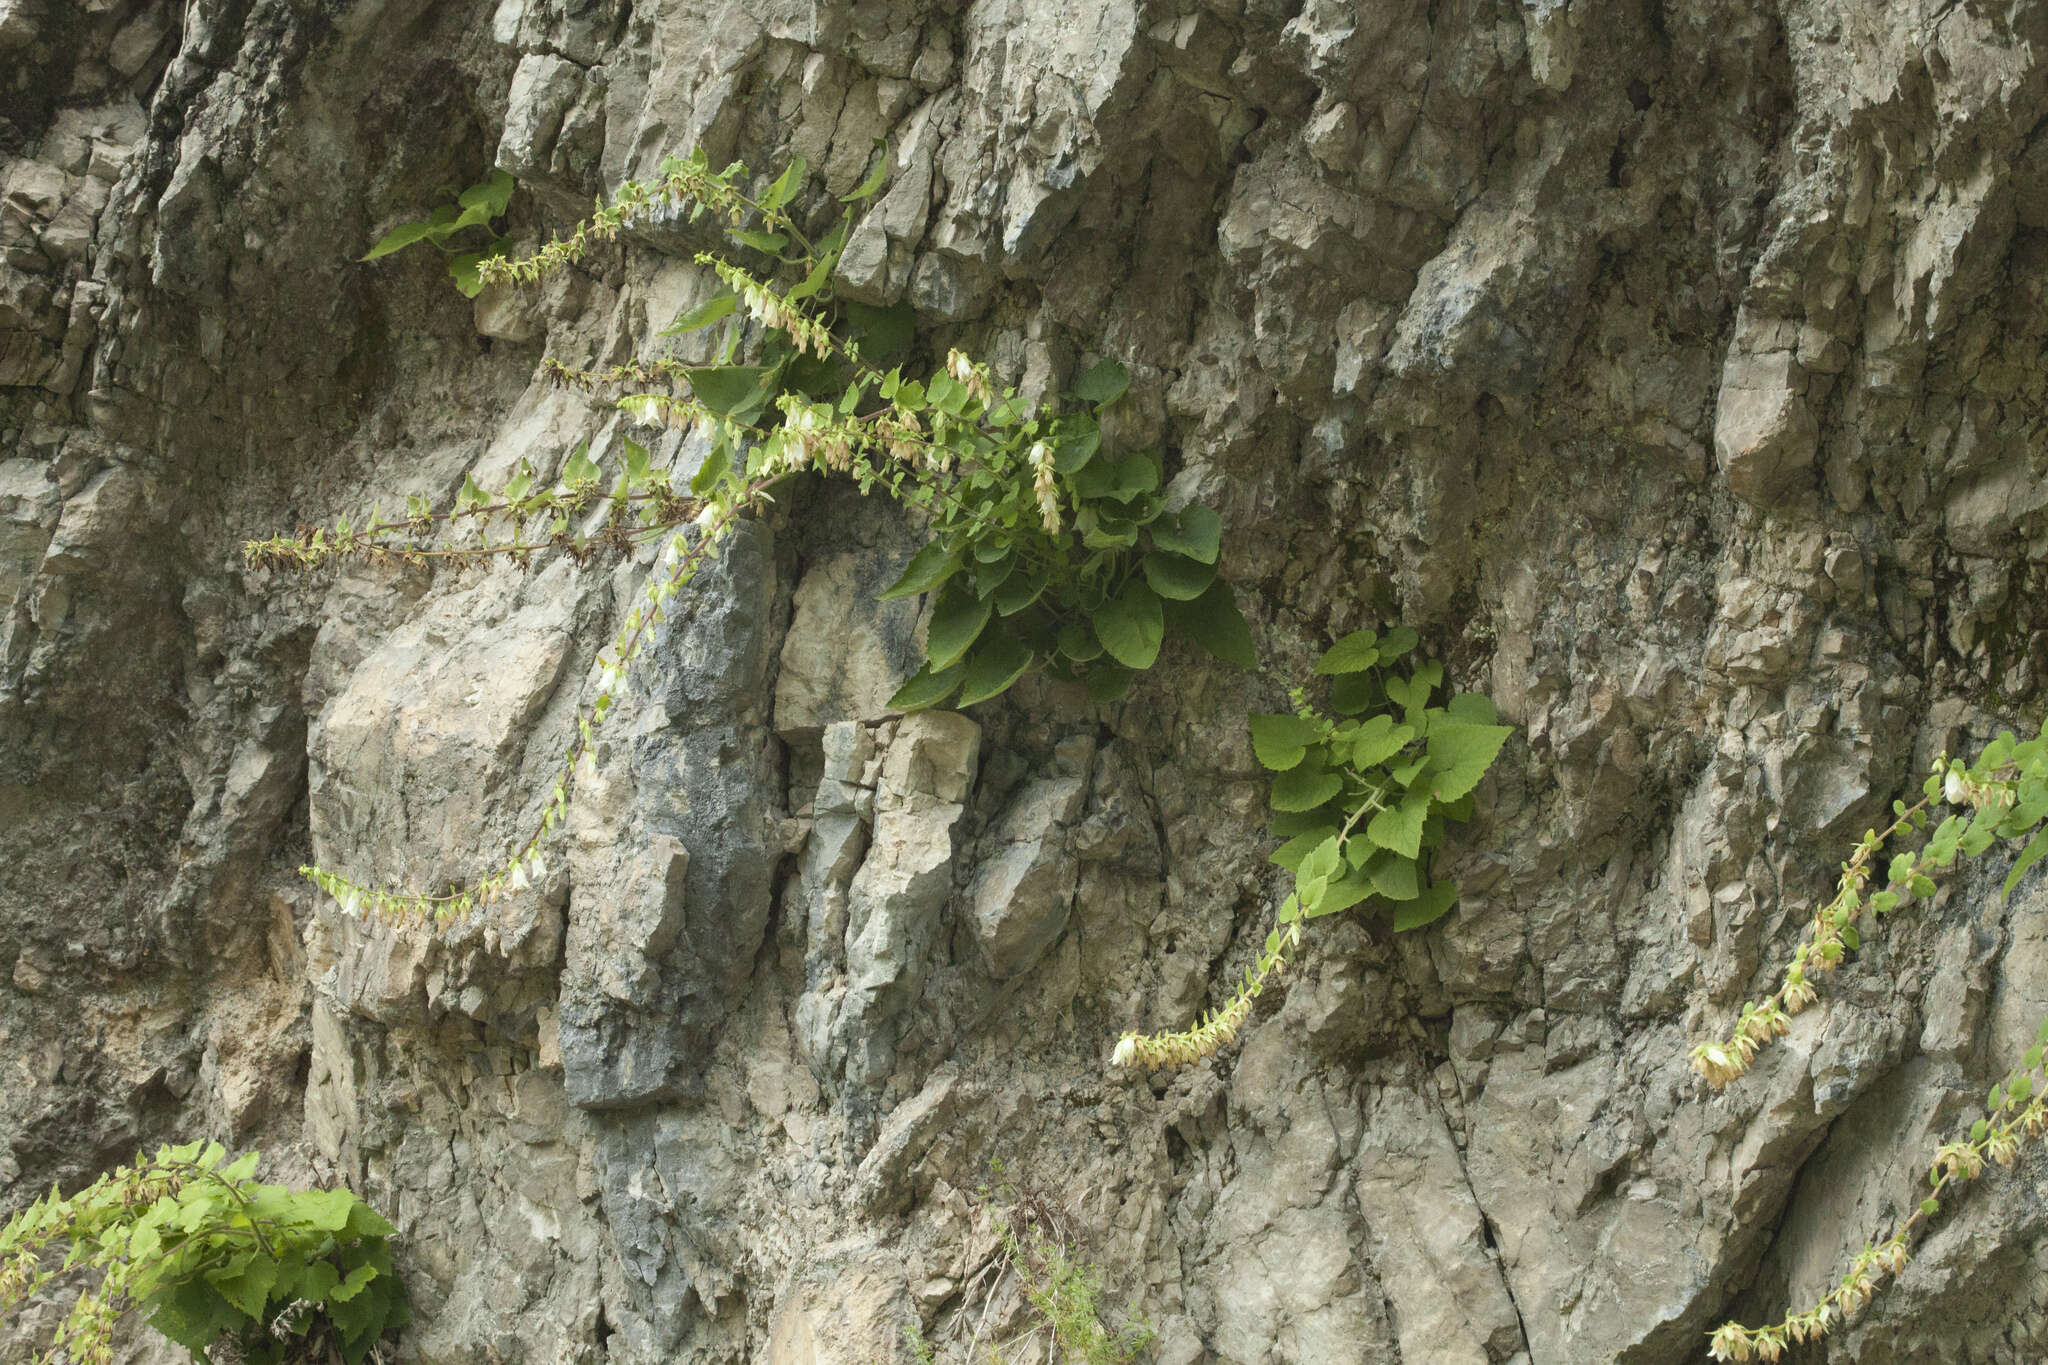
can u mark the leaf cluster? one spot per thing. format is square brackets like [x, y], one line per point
[211, 1255]
[1051, 551]
[467, 212]
[1362, 794]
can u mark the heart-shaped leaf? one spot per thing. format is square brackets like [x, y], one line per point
[1132, 625]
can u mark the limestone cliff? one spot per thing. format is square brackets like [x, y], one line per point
[1674, 365]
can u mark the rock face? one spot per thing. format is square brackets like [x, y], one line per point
[1675, 368]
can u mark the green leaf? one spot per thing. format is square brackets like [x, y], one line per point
[1194, 531]
[1214, 622]
[1176, 576]
[715, 467]
[876, 176]
[1078, 642]
[399, 238]
[1475, 707]
[1461, 753]
[1290, 854]
[994, 665]
[1393, 876]
[1019, 591]
[1354, 653]
[1104, 382]
[1930, 1207]
[770, 243]
[1340, 895]
[732, 390]
[1884, 902]
[713, 309]
[1426, 908]
[1400, 827]
[1073, 453]
[1378, 740]
[882, 332]
[927, 689]
[1850, 938]
[1398, 641]
[1132, 625]
[491, 196]
[1107, 683]
[957, 620]
[463, 270]
[580, 468]
[1280, 741]
[786, 185]
[928, 568]
[1304, 788]
[249, 1290]
[821, 268]
[193, 1314]
[2029, 855]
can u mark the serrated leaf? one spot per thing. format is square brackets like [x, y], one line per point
[1104, 382]
[1979, 1130]
[1176, 576]
[1340, 895]
[1304, 788]
[1461, 752]
[1214, 622]
[1290, 854]
[1850, 938]
[957, 620]
[1378, 740]
[1280, 741]
[1195, 531]
[713, 309]
[993, 666]
[1132, 625]
[1400, 827]
[1393, 876]
[1427, 908]
[1475, 707]
[927, 688]
[1354, 653]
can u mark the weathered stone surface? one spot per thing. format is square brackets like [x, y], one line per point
[1674, 370]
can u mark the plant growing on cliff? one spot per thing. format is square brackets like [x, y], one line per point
[466, 217]
[216, 1259]
[1046, 550]
[2003, 796]
[1361, 794]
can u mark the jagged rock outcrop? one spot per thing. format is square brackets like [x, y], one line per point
[1674, 367]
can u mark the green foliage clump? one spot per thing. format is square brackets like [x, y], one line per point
[466, 214]
[1362, 794]
[217, 1260]
[2003, 796]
